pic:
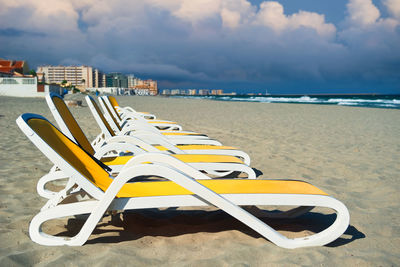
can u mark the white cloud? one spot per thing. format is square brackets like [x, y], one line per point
[314, 21]
[272, 15]
[197, 10]
[362, 12]
[236, 12]
[39, 16]
[393, 7]
[230, 19]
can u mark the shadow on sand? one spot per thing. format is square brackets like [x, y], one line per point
[133, 225]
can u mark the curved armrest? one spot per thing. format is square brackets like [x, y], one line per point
[118, 147]
[132, 140]
[168, 160]
[129, 128]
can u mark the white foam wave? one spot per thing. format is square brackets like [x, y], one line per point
[348, 103]
[383, 103]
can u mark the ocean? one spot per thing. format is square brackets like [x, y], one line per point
[371, 101]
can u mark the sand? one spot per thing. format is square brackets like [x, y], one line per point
[351, 153]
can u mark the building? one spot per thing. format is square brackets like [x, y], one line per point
[166, 92]
[217, 92]
[26, 87]
[132, 81]
[149, 85]
[111, 90]
[191, 91]
[116, 79]
[79, 76]
[99, 79]
[204, 92]
[5, 74]
[175, 92]
[13, 67]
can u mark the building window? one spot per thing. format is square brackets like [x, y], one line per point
[28, 81]
[9, 81]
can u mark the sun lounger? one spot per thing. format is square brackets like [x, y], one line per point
[122, 117]
[160, 141]
[142, 131]
[184, 186]
[173, 132]
[110, 111]
[127, 110]
[214, 164]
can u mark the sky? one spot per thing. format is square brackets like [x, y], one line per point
[285, 47]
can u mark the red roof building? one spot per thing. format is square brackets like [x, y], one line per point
[14, 67]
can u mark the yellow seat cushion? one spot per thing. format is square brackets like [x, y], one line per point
[89, 168]
[220, 186]
[179, 133]
[188, 158]
[197, 147]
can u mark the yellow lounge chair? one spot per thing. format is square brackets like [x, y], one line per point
[159, 141]
[122, 119]
[185, 186]
[123, 111]
[130, 124]
[214, 164]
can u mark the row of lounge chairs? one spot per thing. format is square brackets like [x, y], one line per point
[139, 162]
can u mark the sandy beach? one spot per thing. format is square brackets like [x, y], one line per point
[351, 153]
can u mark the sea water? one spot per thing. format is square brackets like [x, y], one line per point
[373, 101]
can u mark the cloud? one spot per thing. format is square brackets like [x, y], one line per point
[12, 32]
[393, 7]
[362, 12]
[222, 43]
[40, 16]
[196, 10]
[230, 19]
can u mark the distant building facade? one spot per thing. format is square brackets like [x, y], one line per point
[195, 92]
[191, 91]
[132, 81]
[166, 92]
[217, 92]
[147, 87]
[116, 79]
[204, 92]
[99, 79]
[175, 92]
[79, 76]
[86, 77]
[112, 90]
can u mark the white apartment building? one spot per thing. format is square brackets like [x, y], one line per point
[191, 91]
[80, 76]
[132, 80]
[166, 92]
[204, 92]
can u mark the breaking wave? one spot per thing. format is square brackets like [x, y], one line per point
[392, 101]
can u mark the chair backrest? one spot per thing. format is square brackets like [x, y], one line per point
[67, 122]
[99, 117]
[112, 121]
[111, 107]
[113, 101]
[65, 154]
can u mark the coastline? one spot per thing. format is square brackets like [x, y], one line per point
[351, 100]
[351, 153]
